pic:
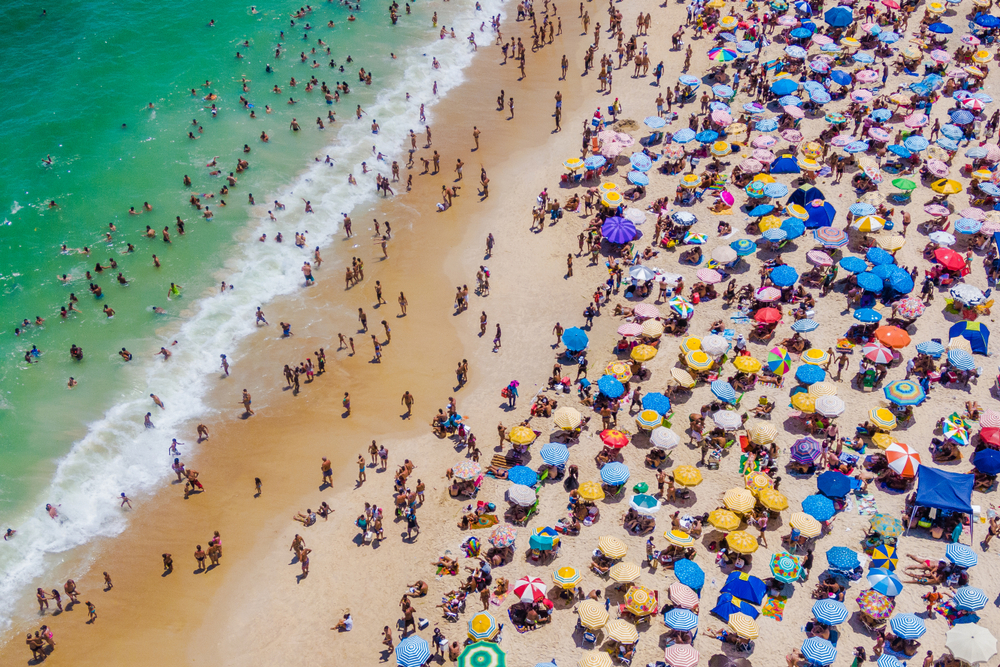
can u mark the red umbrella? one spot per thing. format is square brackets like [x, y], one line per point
[768, 315]
[991, 435]
[949, 259]
[614, 439]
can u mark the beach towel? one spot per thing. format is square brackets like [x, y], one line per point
[867, 505]
[484, 521]
[721, 211]
[497, 601]
[441, 571]
[774, 607]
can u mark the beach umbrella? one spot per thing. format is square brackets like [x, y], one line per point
[556, 453]
[614, 473]
[619, 370]
[970, 643]
[744, 626]
[819, 507]
[654, 122]
[818, 651]
[961, 360]
[805, 326]
[699, 360]
[867, 315]
[809, 374]
[724, 391]
[640, 601]
[621, 630]
[768, 295]
[892, 336]
[884, 557]
[784, 275]
[778, 360]
[745, 587]
[815, 356]
[739, 500]
[742, 542]
[618, 230]
[762, 433]
[885, 582]
[833, 484]
[522, 475]
[652, 329]
[839, 17]
[612, 547]
[610, 386]
[614, 438]
[595, 659]
[681, 619]
[904, 392]
[637, 178]
[521, 495]
[757, 481]
[775, 235]
[970, 598]
[842, 558]
[886, 525]
[882, 418]
[503, 536]
[482, 654]
[656, 401]
[624, 573]
[566, 418]
[830, 612]
[950, 259]
[830, 406]
[724, 520]
[715, 345]
[591, 491]
[804, 402]
[728, 420]
[903, 459]
[575, 338]
[689, 573]
[483, 626]
[784, 87]
[823, 389]
[785, 567]
[466, 470]
[681, 655]
[521, 435]
[412, 651]
[910, 307]
[687, 476]
[595, 162]
[874, 604]
[870, 282]
[664, 438]
[645, 504]
[967, 294]
[566, 577]
[530, 589]
[987, 460]
[961, 555]
[808, 526]
[805, 450]
[630, 329]
[853, 264]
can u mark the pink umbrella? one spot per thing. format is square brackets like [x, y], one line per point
[794, 112]
[940, 56]
[958, 74]
[681, 655]
[992, 152]
[788, 20]
[874, 173]
[624, 139]
[970, 40]
[646, 310]
[768, 294]
[722, 118]
[751, 166]
[938, 168]
[990, 227]
[973, 104]
[822, 40]
[862, 95]
[709, 276]
[819, 258]
[937, 210]
[612, 149]
[974, 213]
[877, 352]
[764, 156]
[841, 140]
[727, 198]
[867, 26]
[915, 120]
[989, 419]
[630, 329]
[764, 141]
[866, 75]
[879, 134]
[791, 136]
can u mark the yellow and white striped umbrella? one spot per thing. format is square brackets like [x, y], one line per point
[642, 353]
[678, 538]
[612, 198]
[744, 626]
[521, 435]
[721, 148]
[804, 402]
[566, 577]
[567, 417]
[815, 356]
[762, 433]
[728, 22]
[690, 181]
[682, 377]
[959, 344]
[698, 360]
[742, 542]
[573, 163]
[807, 525]
[890, 242]
[608, 187]
[612, 547]
[883, 418]
[625, 573]
[773, 500]
[592, 614]
[690, 344]
[739, 500]
[595, 659]
[621, 631]
[823, 389]
[936, 8]
[652, 328]
[868, 223]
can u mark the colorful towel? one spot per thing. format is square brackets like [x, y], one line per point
[497, 601]
[484, 521]
[867, 505]
[774, 607]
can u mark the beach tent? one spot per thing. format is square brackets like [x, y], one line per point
[786, 164]
[728, 604]
[821, 214]
[942, 490]
[746, 586]
[975, 332]
[804, 195]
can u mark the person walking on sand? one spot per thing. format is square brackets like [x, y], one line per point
[363, 319]
[246, 403]
[402, 303]
[408, 401]
[496, 339]
[326, 467]
[347, 403]
[361, 470]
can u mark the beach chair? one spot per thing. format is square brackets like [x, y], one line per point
[541, 478]
[869, 379]
[589, 638]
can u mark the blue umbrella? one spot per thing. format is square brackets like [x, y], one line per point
[805, 326]
[775, 189]
[724, 391]
[796, 52]
[888, 37]
[761, 209]
[967, 225]
[804, 8]
[883, 271]
[861, 208]
[853, 264]
[809, 374]
[619, 230]
[830, 612]
[831, 48]
[951, 131]
[856, 147]
[775, 235]
[862, 57]
[961, 360]
[984, 97]
[654, 122]
[839, 17]
[987, 461]
[766, 125]
[820, 215]
[990, 189]
[638, 178]
[743, 247]
[688, 80]
[595, 162]
[728, 604]
[962, 117]
[412, 651]
[523, 475]
[947, 144]
[689, 573]
[784, 275]
[801, 33]
[654, 400]
[961, 555]
[833, 484]
[841, 77]
[554, 453]
[840, 558]
[820, 96]
[785, 165]
[727, 36]
[684, 135]
[613, 474]
[610, 386]
[542, 541]
[707, 136]
[976, 152]
[931, 348]
[880, 115]
[818, 507]
[745, 587]
[907, 626]
[869, 282]
[920, 88]
[790, 101]
[794, 228]
[716, 105]
[818, 651]
[901, 281]
[970, 598]
[722, 91]
[940, 28]
[784, 86]
[879, 256]
[886, 660]
[746, 47]
[885, 582]
[987, 21]
[901, 151]
[867, 315]
[681, 619]
[575, 338]
[641, 162]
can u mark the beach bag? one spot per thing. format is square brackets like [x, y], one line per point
[505, 393]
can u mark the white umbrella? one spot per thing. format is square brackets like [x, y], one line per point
[728, 420]
[724, 254]
[967, 294]
[635, 215]
[714, 345]
[641, 272]
[971, 643]
[521, 495]
[664, 438]
[830, 406]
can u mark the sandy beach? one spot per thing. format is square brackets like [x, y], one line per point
[255, 608]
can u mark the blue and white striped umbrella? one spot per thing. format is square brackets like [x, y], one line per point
[684, 135]
[724, 391]
[522, 475]
[830, 612]
[805, 326]
[723, 91]
[819, 651]
[947, 144]
[990, 189]
[962, 117]
[790, 101]
[862, 208]
[959, 554]
[886, 660]
[907, 626]
[595, 162]
[969, 597]
[638, 178]
[554, 453]
[641, 162]
[885, 582]
[961, 360]
[746, 46]
[856, 147]
[412, 651]
[775, 189]
[681, 619]
[766, 125]
[775, 235]
[819, 96]
[888, 37]
[916, 143]
[931, 348]
[967, 226]
[615, 474]
[881, 115]
[654, 122]
[862, 57]
[952, 131]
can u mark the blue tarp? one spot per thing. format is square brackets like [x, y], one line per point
[746, 586]
[728, 604]
[944, 490]
[975, 332]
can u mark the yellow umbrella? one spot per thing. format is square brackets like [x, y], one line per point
[757, 482]
[982, 174]
[747, 364]
[812, 149]
[721, 148]
[595, 659]
[804, 402]
[728, 22]
[698, 360]
[762, 433]
[769, 222]
[935, 8]
[724, 520]
[890, 242]
[691, 181]
[621, 630]
[608, 187]
[566, 577]
[959, 344]
[573, 163]
[687, 475]
[823, 389]
[612, 547]
[591, 491]
[808, 526]
[850, 41]
[742, 542]
[652, 328]
[808, 164]
[815, 356]
[716, 4]
[690, 344]
[743, 625]
[868, 223]
[736, 129]
[797, 211]
[883, 418]
[592, 615]
[483, 623]
[910, 52]
[612, 198]
[641, 601]
[739, 500]
[946, 186]
[974, 71]
[765, 178]
[567, 417]
[625, 573]
[678, 538]
[619, 369]
[682, 377]
[773, 500]
[521, 435]
[643, 352]
[883, 440]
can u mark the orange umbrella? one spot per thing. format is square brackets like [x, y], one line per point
[614, 439]
[892, 336]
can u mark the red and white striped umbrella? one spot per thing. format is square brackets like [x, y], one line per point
[877, 352]
[530, 589]
[682, 595]
[646, 310]
[903, 459]
[989, 419]
[973, 104]
[681, 655]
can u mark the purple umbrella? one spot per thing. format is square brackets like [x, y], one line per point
[618, 230]
[805, 450]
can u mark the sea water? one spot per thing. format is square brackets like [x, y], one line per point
[76, 129]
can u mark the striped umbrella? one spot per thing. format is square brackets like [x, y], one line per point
[903, 459]
[877, 352]
[886, 660]
[739, 500]
[778, 360]
[904, 392]
[529, 589]
[648, 419]
[728, 420]
[567, 418]
[683, 378]
[595, 659]
[818, 651]
[970, 598]
[831, 237]
[621, 630]
[724, 391]
[819, 507]
[714, 345]
[630, 329]
[884, 557]
[885, 582]
[961, 360]
[805, 326]
[724, 520]
[744, 626]
[681, 655]
[830, 406]
[882, 418]
[785, 567]
[961, 555]
[682, 596]
[612, 547]
[698, 360]
[625, 573]
[907, 626]
[757, 482]
[681, 306]
[483, 626]
[823, 389]
[412, 651]
[554, 453]
[989, 419]
[652, 328]
[773, 500]
[742, 542]
[664, 438]
[592, 614]
[805, 450]
[644, 503]
[762, 433]
[522, 495]
[641, 601]
[815, 356]
[615, 474]
[482, 654]
[830, 612]
[681, 619]
[808, 526]
[566, 577]
[503, 536]
[678, 538]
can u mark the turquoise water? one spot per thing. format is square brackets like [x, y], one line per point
[77, 85]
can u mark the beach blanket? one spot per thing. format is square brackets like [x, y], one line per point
[867, 505]
[441, 571]
[774, 607]
[721, 211]
[497, 601]
[484, 521]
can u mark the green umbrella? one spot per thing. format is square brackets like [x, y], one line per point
[904, 184]
[641, 487]
[482, 654]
